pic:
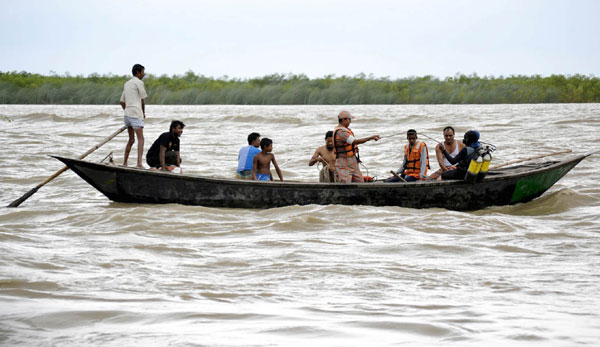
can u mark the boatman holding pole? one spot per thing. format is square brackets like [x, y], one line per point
[346, 150]
[134, 107]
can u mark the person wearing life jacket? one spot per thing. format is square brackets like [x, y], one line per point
[416, 160]
[346, 150]
[463, 158]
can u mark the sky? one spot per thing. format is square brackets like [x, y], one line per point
[254, 38]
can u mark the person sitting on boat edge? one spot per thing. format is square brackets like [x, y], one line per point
[246, 157]
[416, 160]
[261, 168]
[325, 155]
[463, 158]
[165, 149]
[346, 150]
[452, 146]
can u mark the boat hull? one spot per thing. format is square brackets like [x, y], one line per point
[131, 185]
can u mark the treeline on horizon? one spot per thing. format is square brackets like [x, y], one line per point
[289, 89]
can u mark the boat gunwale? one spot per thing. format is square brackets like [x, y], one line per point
[230, 181]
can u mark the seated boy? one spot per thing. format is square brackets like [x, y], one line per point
[261, 168]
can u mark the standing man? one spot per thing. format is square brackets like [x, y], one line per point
[246, 156]
[165, 150]
[346, 150]
[416, 159]
[326, 155]
[132, 102]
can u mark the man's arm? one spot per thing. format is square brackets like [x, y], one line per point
[254, 167]
[423, 165]
[462, 154]
[316, 158]
[161, 157]
[178, 163]
[365, 139]
[440, 157]
[122, 100]
[401, 169]
[276, 168]
[143, 96]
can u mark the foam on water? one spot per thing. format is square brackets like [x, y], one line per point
[77, 269]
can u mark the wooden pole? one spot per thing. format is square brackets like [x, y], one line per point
[26, 196]
[530, 158]
[397, 176]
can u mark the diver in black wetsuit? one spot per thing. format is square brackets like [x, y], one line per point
[463, 158]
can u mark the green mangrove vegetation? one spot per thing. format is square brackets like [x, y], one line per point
[282, 89]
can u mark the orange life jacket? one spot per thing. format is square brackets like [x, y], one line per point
[413, 160]
[341, 146]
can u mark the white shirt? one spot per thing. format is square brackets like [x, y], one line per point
[133, 93]
[453, 154]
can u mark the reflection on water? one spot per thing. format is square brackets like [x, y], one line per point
[77, 269]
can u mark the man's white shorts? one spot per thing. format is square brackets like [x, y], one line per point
[133, 122]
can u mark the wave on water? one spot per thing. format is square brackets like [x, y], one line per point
[78, 269]
[550, 203]
[516, 249]
[21, 284]
[60, 118]
[52, 117]
[37, 118]
[257, 119]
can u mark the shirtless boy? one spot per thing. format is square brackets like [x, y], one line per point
[261, 168]
[325, 155]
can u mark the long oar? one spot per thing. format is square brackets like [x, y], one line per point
[393, 135]
[20, 200]
[431, 138]
[530, 158]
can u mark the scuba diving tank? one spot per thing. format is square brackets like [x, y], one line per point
[474, 167]
[487, 158]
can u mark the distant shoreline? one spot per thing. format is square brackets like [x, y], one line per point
[280, 89]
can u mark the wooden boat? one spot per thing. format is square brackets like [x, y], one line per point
[504, 186]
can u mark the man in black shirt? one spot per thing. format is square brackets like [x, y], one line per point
[165, 150]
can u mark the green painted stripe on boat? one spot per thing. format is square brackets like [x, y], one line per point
[533, 186]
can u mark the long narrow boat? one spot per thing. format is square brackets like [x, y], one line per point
[504, 186]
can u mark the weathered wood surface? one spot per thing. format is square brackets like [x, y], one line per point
[500, 187]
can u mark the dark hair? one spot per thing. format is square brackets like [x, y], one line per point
[137, 68]
[470, 137]
[448, 128]
[266, 142]
[253, 137]
[329, 134]
[411, 132]
[176, 123]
